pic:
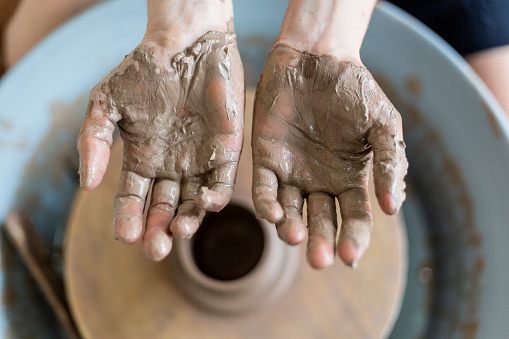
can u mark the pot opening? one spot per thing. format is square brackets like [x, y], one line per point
[229, 244]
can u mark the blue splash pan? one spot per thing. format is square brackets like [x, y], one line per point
[457, 143]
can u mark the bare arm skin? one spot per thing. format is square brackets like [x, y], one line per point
[178, 101]
[32, 21]
[492, 65]
[319, 119]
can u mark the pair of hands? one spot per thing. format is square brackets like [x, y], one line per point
[317, 122]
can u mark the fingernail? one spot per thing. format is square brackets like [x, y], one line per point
[86, 177]
[263, 210]
[210, 200]
[127, 228]
[81, 174]
[353, 264]
[183, 227]
[349, 252]
[392, 207]
[300, 235]
[273, 213]
[158, 247]
[329, 259]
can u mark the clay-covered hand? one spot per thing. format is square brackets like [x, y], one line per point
[181, 119]
[317, 123]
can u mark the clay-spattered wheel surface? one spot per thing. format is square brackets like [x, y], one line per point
[115, 292]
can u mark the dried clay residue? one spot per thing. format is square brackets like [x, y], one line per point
[317, 121]
[6, 126]
[179, 115]
[49, 181]
[457, 262]
[414, 85]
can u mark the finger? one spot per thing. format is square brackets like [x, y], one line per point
[389, 162]
[265, 186]
[291, 229]
[357, 225]
[189, 215]
[220, 188]
[157, 242]
[94, 142]
[128, 206]
[322, 224]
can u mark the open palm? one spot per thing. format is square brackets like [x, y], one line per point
[317, 123]
[181, 119]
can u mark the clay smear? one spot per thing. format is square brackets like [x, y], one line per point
[170, 116]
[181, 118]
[318, 122]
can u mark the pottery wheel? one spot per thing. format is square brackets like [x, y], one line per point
[115, 292]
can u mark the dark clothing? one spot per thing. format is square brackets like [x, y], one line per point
[467, 25]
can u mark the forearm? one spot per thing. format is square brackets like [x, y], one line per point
[179, 23]
[33, 20]
[492, 65]
[334, 27]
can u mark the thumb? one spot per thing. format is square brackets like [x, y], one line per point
[389, 162]
[94, 142]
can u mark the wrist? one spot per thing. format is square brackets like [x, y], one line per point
[333, 27]
[176, 24]
[321, 47]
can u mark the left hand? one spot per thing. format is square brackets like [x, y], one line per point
[317, 123]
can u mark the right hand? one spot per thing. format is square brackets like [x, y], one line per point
[180, 116]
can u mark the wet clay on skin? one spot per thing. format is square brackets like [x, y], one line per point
[317, 124]
[181, 119]
[177, 119]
